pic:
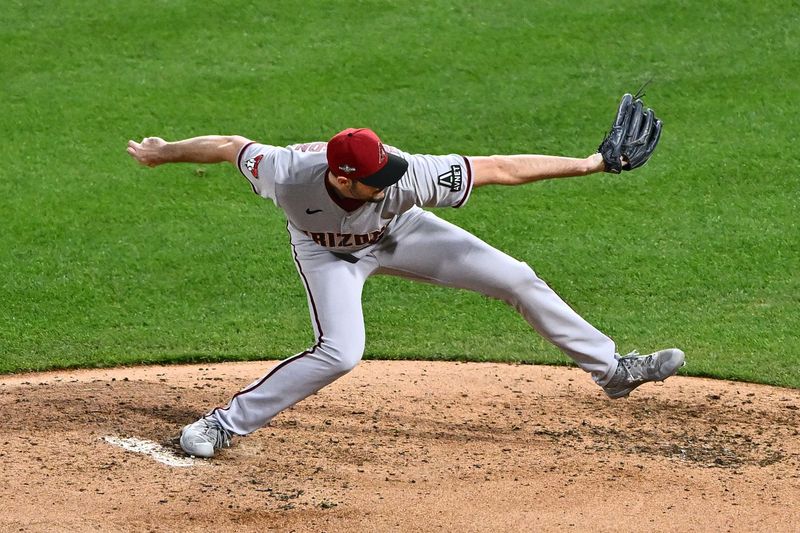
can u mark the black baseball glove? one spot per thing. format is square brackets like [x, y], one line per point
[633, 136]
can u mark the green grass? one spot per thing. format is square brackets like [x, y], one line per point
[106, 263]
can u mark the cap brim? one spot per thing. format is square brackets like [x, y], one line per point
[392, 171]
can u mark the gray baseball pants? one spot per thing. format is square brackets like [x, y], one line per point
[419, 246]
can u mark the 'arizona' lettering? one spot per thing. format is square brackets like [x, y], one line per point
[345, 240]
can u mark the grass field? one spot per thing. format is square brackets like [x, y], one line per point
[105, 263]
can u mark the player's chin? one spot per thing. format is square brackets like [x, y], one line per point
[377, 197]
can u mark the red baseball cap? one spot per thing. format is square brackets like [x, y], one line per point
[358, 154]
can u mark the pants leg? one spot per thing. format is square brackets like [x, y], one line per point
[334, 288]
[431, 249]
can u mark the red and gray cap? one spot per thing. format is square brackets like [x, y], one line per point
[358, 154]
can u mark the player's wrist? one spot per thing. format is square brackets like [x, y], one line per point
[594, 163]
[169, 152]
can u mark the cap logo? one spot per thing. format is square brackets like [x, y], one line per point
[381, 154]
[347, 169]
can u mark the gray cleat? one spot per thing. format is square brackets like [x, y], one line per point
[204, 437]
[635, 369]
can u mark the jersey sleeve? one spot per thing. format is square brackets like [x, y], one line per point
[438, 181]
[260, 163]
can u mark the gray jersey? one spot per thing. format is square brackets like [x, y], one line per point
[294, 177]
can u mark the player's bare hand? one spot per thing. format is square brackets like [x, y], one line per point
[149, 152]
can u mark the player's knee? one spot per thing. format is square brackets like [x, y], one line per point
[518, 283]
[343, 355]
[349, 360]
[517, 279]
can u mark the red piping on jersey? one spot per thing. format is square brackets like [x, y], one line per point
[469, 183]
[295, 357]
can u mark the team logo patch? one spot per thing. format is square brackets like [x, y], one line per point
[252, 165]
[347, 169]
[452, 179]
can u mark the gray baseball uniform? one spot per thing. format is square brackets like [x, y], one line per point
[337, 244]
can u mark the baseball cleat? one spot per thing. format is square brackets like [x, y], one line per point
[204, 437]
[634, 370]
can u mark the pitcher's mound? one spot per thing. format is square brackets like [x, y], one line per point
[401, 446]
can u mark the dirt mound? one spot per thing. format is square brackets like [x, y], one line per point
[403, 446]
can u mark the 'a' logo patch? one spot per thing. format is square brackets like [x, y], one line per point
[252, 165]
[452, 179]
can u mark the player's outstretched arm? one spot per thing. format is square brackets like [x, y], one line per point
[519, 169]
[154, 151]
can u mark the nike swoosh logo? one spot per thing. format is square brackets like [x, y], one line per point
[312, 211]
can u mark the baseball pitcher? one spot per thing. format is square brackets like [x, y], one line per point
[354, 209]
